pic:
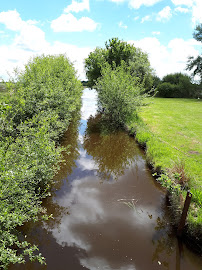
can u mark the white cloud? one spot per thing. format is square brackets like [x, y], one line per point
[29, 41]
[12, 20]
[13, 56]
[136, 18]
[177, 53]
[183, 2]
[197, 12]
[69, 23]
[122, 25]
[164, 14]
[182, 10]
[118, 1]
[138, 3]
[32, 22]
[31, 38]
[156, 33]
[167, 59]
[195, 7]
[76, 7]
[73, 52]
[146, 18]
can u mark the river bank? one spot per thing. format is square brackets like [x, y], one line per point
[169, 132]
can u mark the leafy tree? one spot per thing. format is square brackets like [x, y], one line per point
[195, 64]
[114, 53]
[156, 81]
[176, 85]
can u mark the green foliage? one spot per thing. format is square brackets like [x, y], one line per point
[155, 82]
[198, 32]
[119, 94]
[195, 64]
[114, 53]
[176, 85]
[38, 110]
[93, 65]
[2, 87]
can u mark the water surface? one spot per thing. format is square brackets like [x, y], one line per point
[108, 211]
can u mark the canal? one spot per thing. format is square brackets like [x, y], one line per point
[108, 211]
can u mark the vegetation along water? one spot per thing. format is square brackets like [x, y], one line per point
[108, 212]
[111, 211]
[34, 114]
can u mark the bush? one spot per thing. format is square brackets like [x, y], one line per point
[119, 94]
[167, 90]
[40, 107]
[176, 85]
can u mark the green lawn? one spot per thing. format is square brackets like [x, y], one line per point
[178, 123]
[171, 130]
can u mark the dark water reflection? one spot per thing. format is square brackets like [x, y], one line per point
[108, 211]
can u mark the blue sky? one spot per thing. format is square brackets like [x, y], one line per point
[162, 28]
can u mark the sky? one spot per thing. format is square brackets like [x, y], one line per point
[162, 28]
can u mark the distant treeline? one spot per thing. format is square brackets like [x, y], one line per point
[176, 85]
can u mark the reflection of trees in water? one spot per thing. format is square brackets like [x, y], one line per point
[69, 156]
[113, 151]
[69, 140]
[36, 232]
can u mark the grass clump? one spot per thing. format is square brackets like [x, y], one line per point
[170, 131]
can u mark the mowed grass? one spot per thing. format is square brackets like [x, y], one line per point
[178, 125]
[171, 130]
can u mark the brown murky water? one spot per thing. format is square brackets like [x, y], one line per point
[108, 211]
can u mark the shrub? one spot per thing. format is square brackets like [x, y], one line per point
[119, 94]
[40, 107]
[176, 85]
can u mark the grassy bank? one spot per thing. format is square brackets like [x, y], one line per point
[170, 131]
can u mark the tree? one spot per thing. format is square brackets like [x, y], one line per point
[195, 64]
[114, 53]
[176, 85]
